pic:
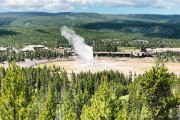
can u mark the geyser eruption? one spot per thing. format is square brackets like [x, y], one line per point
[84, 51]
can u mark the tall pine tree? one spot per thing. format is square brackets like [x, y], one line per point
[157, 92]
[13, 95]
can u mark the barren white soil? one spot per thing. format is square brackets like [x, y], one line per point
[125, 65]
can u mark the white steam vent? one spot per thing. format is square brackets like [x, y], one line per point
[84, 51]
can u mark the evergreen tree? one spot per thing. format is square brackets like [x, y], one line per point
[49, 107]
[104, 104]
[13, 95]
[157, 92]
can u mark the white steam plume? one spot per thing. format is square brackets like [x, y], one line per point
[84, 51]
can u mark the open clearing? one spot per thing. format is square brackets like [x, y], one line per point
[125, 65]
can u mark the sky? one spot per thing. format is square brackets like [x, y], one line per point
[93, 6]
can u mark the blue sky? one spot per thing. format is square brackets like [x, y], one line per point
[95, 6]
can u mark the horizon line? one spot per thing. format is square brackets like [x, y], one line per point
[87, 13]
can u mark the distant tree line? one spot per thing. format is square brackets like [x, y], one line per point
[21, 56]
[172, 56]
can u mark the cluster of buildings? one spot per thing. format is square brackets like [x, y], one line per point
[140, 41]
[26, 48]
[62, 50]
[144, 52]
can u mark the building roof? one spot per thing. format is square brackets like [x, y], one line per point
[141, 41]
[149, 50]
[31, 47]
[3, 49]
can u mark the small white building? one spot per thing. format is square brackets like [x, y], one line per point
[141, 41]
[3, 49]
[34, 48]
[64, 50]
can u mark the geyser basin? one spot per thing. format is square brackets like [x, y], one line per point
[138, 66]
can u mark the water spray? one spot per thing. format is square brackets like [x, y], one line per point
[84, 51]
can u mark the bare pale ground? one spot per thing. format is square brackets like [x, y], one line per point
[26, 63]
[124, 65]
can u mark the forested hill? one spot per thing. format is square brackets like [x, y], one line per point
[21, 28]
[68, 18]
[50, 19]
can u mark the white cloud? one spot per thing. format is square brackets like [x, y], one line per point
[176, 1]
[85, 1]
[36, 5]
[128, 3]
[162, 4]
[67, 5]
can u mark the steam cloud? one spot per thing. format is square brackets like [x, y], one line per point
[84, 51]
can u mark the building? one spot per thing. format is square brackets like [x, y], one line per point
[148, 52]
[34, 48]
[64, 50]
[2, 49]
[114, 54]
[141, 41]
[144, 52]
